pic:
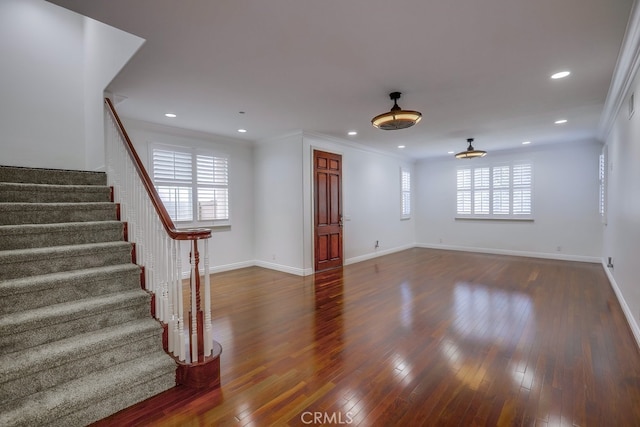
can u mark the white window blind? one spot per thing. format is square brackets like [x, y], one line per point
[501, 191]
[405, 189]
[602, 176]
[193, 185]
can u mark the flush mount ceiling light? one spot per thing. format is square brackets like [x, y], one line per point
[470, 153]
[397, 118]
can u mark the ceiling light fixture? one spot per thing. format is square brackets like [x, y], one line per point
[242, 130]
[561, 121]
[397, 118]
[526, 142]
[560, 75]
[352, 133]
[470, 152]
[171, 115]
[401, 146]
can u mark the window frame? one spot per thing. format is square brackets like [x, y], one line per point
[195, 186]
[405, 194]
[493, 190]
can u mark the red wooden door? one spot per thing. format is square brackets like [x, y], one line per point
[327, 172]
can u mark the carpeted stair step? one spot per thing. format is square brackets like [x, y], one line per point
[70, 233]
[47, 193]
[50, 213]
[27, 293]
[96, 395]
[36, 369]
[23, 330]
[37, 261]
[51, 176]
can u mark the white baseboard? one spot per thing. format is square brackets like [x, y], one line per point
[283, 268]
[546, 255]
[376, 254]
[635, 329]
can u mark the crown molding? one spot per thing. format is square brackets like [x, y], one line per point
[623, 74]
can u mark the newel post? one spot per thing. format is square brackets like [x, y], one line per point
[196, 326]
[203, 371]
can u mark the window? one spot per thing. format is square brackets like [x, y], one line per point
[498, 192]
[405, 190]
[602, 177]
[193, 184]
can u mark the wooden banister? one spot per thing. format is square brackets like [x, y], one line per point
[189, 339]
[167, 222]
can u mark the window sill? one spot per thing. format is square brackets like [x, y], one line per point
[195, 226]
[483, 218]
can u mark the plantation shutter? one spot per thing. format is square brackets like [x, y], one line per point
[172, 175]
[405, 184]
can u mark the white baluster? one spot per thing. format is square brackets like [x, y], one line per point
[183, 338]
[194, 312]
[208, 331]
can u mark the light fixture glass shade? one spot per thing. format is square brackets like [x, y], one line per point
[470, 152]
[397, 118]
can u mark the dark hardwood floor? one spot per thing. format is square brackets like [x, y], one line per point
[420, 337]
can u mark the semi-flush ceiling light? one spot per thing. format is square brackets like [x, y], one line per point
[397, 118]
[470, 153]
[560, 75]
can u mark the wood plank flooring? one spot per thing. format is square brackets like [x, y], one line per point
[420, 337]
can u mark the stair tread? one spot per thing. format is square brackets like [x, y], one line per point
[49, 313]
[55, 205]
[50, 251]
[74, 395]
[53, 187]
[57, 226]
[21, 174]
[32, 282]
[44, 356]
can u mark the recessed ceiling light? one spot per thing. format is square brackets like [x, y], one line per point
[171, 115]
[401, 146]
[560, 75]
[526, 142]
[242, 130]
[352, 133]
[561, 121]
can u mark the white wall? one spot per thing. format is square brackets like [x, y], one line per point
[371, 200]
[622, 233]
[565, 206]
[106, 51]
[42, 106]
[230, 247]
[278, 204]
[55, 66]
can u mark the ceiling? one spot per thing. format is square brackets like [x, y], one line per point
[473, 68]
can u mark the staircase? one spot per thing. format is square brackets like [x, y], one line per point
[77, 341]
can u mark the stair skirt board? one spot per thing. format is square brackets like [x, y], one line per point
[77, 341]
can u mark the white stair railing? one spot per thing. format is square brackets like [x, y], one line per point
[157, 245]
